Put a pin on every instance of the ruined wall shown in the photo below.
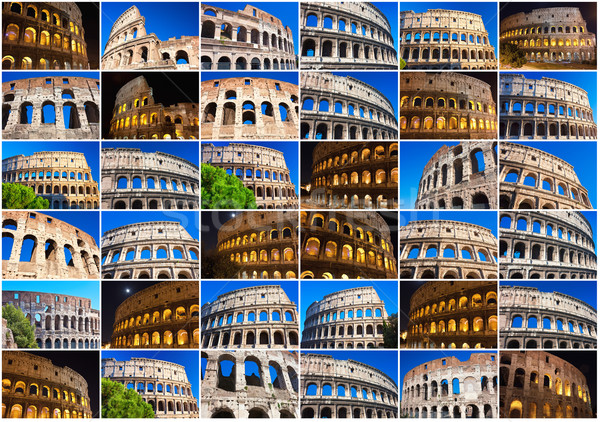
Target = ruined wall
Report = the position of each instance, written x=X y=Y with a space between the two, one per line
x=8 y=340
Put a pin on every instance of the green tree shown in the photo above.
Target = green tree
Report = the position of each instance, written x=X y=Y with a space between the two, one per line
x=390 y=332
x=215 y=265
x=121 y=402
x=224 y=191
x=402 y=63
x=23 y=331
x=511 y=55
x=19 y=197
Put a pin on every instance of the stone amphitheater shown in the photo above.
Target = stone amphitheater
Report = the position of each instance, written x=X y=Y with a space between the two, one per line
x=334 y=388
x=446 y=39
x=346 y=35
x=68 y=252
x=132 y=179
x=51 y=107
x=546 y=245
x=247 y=39
x=64 y=178
x=533 y=319
x=461 y=176
x=249 y=384
x=343 y=107
x=544 y=108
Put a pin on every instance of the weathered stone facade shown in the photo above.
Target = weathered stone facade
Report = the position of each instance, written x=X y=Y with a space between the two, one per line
x=348 y=319
x=150 y=250
x=132 y=179
x=426 y=388
x=8 y=340
x=136 y=115
x=355 y=175
x=48 y=260
x=163 y=385
x=320 y=371
x=346 y=244
x=32 y=387
x=533 y=179
x=437 y=249
x=62 y=177
x=446 y=39
x=544 y=108
x=343 y=107
x=346 y=35
x=454 y=314
x=246 y=39
x=454 y=179
x=43 y=36
x=446 y=106
x=250 y=396
x=235 y=320
x=130 y=47
x=231 y=109
x=262 y=170
x=546 y=245
x=553 y=34
x=69 y=103
x=60 y=321
x=537 y=384
x=559 y=321
x=162 y=316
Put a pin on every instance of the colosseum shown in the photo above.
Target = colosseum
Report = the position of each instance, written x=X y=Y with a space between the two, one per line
x=43 y=36
x=446 y=106
x=162 y=316
x=51 y=107
x=331 y=111
x=330 y=322
x=346 y=244
x=346 y=35
x=68 y=252
x=461 y=176
x=33 y=387
x=129 y=46
x=230 y=109
x=533 y=319
x=546 y=245
x=60 y=321
x=150 y=250
x=261 y=244
x=334 y=388
x=240 y=384
x=453 y=314
x=355 y=175
x=436 y=249
x=64 y=179
x=474 y=383
x=563 y=393
x=533 y=179
x=544 y=108
x=446 y=39
x=136 y=115
x=553 y=34
x=163 y=385
x=132 y=179
x=246 y=39
x=262 y=170
x=253 y=317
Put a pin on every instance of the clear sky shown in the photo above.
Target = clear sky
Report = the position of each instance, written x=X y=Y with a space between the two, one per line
x=84 y=288
x=581 y=289
x=14 y=76
x=286 y=11
x=487 y=219
x=384 y=82
x=212 y=289
x=186 y=150
x=291 y=77
x=114 y=219
x=165 y=19
x=487 y=9
x=314 y=290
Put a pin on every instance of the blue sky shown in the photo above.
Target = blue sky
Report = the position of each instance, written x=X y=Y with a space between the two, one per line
x=384 y=360
x=114 y=219
x=488 y=11
x=581 y=289
x=291 y=77
x=286 y=11
x=166 y=20
x=390 y=10
x=314 y=290
x=187 y=358
x=186 y=150
x=488 y=219
x=13 y=76
x=384 y=82
x=84 y=288
x=212 y=289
